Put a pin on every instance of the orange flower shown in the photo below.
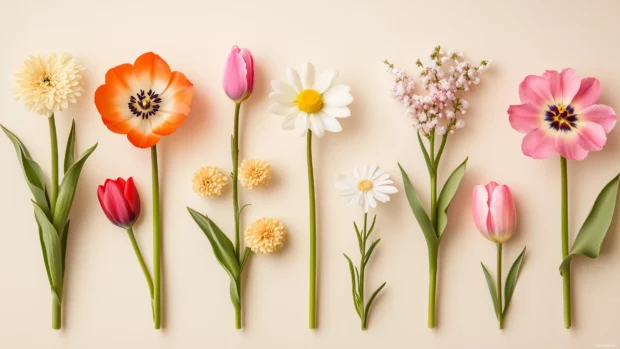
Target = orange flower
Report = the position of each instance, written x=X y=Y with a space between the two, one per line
x=145 y=100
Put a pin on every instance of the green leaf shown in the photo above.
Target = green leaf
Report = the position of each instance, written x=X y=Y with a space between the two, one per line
x=246 y=255
x=447 y=194
x=372 y=226
x=32 y=173
x=420 y=214
x=63 y=243
x=235 y=297
x=369 y=253
x=70 y=150
x=53 y=253
x=66 y=192
x=592 y=233
x=492 y=290
x=427 y=159
x=47 y=267
x=223 y=248
x=511 y=280
x=359 y=237
x=372 y=298
x=356 y=297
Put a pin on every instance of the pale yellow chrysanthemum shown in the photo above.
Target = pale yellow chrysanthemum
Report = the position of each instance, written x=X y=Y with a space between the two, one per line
x=254 y=173
x=47 y=83
x=265 y=235
x=209 y=181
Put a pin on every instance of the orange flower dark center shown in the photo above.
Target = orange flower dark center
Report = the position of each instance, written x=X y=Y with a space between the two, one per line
x=143 y=105
x=561 y=117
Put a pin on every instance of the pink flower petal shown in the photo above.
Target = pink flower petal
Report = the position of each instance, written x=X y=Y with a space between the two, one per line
x=525 y=117
x=564 y=85
x=592 y=136
x=502 y=213
x=100 y=195
x=600 y=114
x=538 y=144
x=589 y=93
x=535 y=90
x=480 y=209
x=235 y=81
x=116 y=205
x=567 y=145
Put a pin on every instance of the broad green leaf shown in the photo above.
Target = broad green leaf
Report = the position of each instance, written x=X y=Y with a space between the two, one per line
x=427 y=159
x=492 y=289
x=63 y=243
x=66 y=192
x=70 y=150
x=356 y=297
x=371 y=300
x=369 y=253
x=223 y=248
x=592 y=233
x=418 y=211
x=511 y=280
x=53 y=252
x=32 y=172
x=235 y=297
x=47 y=267
x=447 y=194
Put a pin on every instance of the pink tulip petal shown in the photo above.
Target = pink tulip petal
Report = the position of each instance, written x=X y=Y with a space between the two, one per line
x=480 y=209
x=249 y=64
x=564 y=85
x=589 y=93
x=100 y=195
x=591 y=136
x=117 y=206
x=538 y=144
x=600 y=114
x=502 y=213
x=235 y=76
x=132 y=197
x=525 y=117
x=535 y=90
x=567 y=145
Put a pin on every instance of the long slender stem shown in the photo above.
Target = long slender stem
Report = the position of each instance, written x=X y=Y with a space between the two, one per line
x=363 y=270
x=54 y=147
x=311 y=197
x=566 y=274
x=145 y=270
x=432 y=252
x=235 y=174
x=432 y=285
x=500 y=306
x=156 y=240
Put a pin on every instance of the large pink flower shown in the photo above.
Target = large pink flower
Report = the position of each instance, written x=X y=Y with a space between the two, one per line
x=559 y=115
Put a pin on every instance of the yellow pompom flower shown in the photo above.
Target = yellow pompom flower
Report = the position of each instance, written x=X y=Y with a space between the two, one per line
x=254 y=173
x=265 y=235
x=209 y=181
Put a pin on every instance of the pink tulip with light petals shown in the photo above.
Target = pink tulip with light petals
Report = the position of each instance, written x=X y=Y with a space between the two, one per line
x=120 y=201
x=559 y=114
x=493 y=208
x=239 y=74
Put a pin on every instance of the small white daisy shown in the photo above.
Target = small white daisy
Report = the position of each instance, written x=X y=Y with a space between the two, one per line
x=367 y=185
x=311 y=105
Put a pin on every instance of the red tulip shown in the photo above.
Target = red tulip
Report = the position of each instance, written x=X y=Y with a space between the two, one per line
x=120 y=201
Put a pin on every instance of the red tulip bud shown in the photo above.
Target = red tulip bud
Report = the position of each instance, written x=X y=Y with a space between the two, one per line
x=120 y=201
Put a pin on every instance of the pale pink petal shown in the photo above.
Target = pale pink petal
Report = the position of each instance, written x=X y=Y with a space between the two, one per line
x=591 y=136
x=535 y=90
x=538 y=144
x=503 y=214
x=525 y=117
x=235 y=80
x=567 y=145
x=600 y=114
x=589 y=93
x=480 y=208
x=564 y=85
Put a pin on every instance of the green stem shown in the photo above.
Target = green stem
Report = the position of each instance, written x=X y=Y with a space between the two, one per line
x=432 y=285
x=56 y=313
x=54 y=144
x=145 y=270
x=312 y=296
x=500 y=314
x=566 y=274
x=235 y=180
x=156 y=240
x=363 y=270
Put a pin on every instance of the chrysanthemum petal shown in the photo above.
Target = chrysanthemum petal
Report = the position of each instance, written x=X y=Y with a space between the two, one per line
x=337 y=112
x=326 y=80
x=330 y=123
x=591 y=136
x=525 y=117
x=564 y=85
x=337 y=96
x=535 y=90
x=589 y=93
x=538 y=144
x=307 y=76
x=600 y=114
x=152 y=72
x=567 y=145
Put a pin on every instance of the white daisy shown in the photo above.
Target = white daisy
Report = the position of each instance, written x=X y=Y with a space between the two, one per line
x=367 y=185
x=312 y=105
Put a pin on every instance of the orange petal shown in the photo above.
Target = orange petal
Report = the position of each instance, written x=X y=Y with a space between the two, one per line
x=111 y=103
x=165 y=123
x=141 y=138
x=152 y=72
x=123 y=77
x=178 y=94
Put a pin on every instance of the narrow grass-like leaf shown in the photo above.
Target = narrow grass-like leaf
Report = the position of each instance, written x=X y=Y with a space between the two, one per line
x=511 y=280
x=420 y=214
x=372 y=226
x=63 y=243
x=594 y=229
x=372 y=299
x=52 y=244
x=492 y=289
x=427 y=159
x=70 y=150
x=447 y=194
x=246 y=255
x=359 y=237
x=370 y=249
x=353 y=285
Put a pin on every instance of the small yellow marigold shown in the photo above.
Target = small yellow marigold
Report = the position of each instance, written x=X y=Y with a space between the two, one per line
x=209 y=181
x=254 y=173
x=265 y=235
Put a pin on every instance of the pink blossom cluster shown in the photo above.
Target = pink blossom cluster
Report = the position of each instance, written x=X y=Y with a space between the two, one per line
x=439 y=107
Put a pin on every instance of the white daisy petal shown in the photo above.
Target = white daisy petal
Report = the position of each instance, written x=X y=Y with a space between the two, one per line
x=365 y=202
x=283 y=87
x=378 y=183
x=371 y=171
x=293 y=79
x=282 y=98
x=307 y=76
x=386 y=189
x=326 y=80
x=337 y=112
x=379 y=175
x=330 y=123
x=357 y=173
x=345 y=183
x=371 y=200
x=289 y=121
x=302 y=123
x=316 y=125
x=337 y=96
x=380 y=196
x=282 y=110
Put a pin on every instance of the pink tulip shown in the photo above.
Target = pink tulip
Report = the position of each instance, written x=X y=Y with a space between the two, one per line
x=120 y=201
x=494 y=211
x=239 y=74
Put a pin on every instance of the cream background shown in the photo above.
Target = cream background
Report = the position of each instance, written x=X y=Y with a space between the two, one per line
x=106 y=301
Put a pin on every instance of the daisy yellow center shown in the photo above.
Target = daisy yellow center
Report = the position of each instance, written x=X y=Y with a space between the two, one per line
x=310 y=101
x=364 y=185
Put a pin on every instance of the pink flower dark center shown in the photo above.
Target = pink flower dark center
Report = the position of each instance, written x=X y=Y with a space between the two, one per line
x=561 y=117
x=143 y=104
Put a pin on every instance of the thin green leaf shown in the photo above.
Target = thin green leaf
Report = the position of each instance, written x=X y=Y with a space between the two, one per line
x=511 y=280
x=420 y=214
x=242 y=207
x=427 y=159
x=63 y=243
x=223 y=248
x=52 y=244
x=246 y=254
x=353 y=285
x=70 y=150
x=359 y=237
x=370 y=249
x=372 y=299
x=594 y=229
x=47 y=267
x=372 y=226
x=66 y=192
x=235 y=297
x=32 y=172
x=447 y=194
x=492 y=289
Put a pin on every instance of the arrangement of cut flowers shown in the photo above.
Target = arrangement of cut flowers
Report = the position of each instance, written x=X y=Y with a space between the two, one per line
x=435 y=113
x=559 y=115
x=47 y=84
x=145 y=101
